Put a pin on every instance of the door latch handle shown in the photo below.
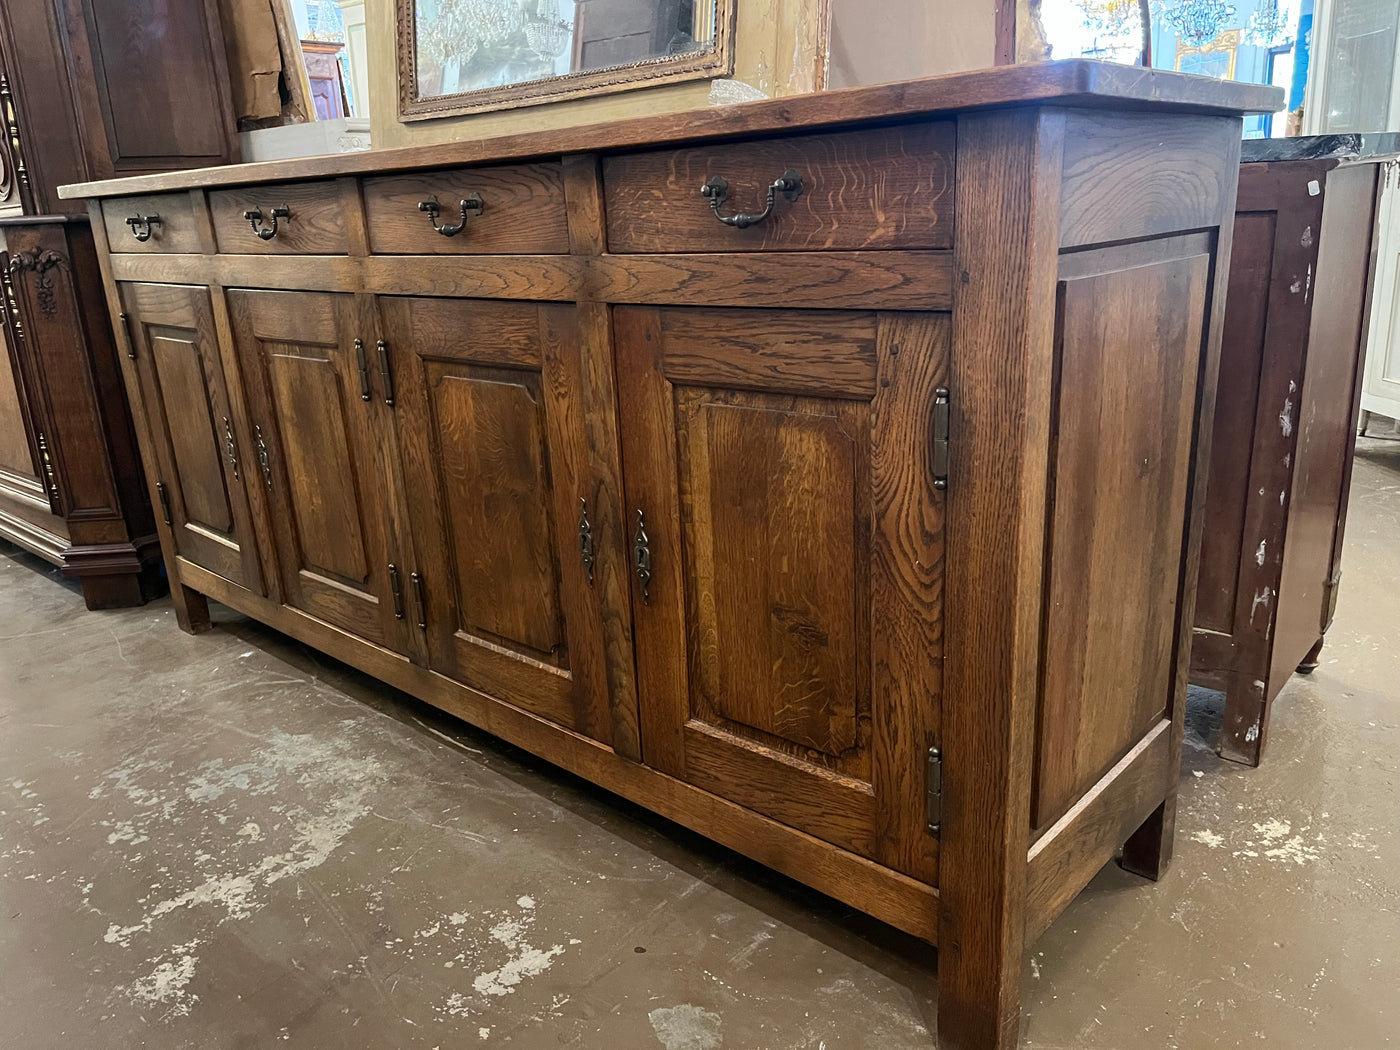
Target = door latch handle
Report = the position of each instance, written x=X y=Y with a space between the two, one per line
x=941 y=423
x=641 y=558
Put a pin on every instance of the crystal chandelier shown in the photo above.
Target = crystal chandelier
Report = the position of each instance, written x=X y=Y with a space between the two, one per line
x=548 y=35
x=462 y=27
x=1196 y=22
x=1271 y=25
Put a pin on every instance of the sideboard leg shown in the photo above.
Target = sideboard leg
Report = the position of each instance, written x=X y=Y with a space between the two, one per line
x=1148 y=851
x=1309 y=662
x=191 y=609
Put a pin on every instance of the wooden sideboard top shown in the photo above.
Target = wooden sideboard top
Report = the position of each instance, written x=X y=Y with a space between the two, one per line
x=1073 y=82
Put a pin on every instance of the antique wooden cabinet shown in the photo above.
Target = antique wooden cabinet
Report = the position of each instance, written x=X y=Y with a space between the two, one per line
x=820 y=473
x=87 y=90
x=1290 y=374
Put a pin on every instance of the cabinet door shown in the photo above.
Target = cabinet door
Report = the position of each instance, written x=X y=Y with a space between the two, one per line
x=492 y=418
x=780 y=485
x=324 y=442
x=201 y=460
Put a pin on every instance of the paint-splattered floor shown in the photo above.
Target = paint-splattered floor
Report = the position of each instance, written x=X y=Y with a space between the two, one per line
x=232 y=842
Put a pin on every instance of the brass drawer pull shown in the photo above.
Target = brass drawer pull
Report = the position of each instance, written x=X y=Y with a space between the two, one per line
x=470 y=205
x=641 y=558
x=255 y=218
x=716 y=190
x=141 y=226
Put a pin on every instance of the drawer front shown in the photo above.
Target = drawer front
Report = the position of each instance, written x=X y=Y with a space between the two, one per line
x=880 y=188
x=164 y=222
x=510 y=210
x=314 y=223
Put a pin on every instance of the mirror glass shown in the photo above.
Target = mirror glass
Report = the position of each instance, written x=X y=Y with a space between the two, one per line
x=515 y=49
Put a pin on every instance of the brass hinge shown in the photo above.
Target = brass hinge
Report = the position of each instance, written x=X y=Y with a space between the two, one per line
x=50 y=475
x=164 y=495
x=941 y=412
x=1329 y=605
x=386 y=371
x=933 y=791
x=126 y=330
x=417 y=580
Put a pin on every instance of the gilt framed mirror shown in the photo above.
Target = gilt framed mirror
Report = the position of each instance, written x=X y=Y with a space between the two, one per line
x=467 y=56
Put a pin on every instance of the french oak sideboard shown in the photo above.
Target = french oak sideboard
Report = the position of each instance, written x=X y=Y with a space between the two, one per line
x=820 y=473
x=1301 y=278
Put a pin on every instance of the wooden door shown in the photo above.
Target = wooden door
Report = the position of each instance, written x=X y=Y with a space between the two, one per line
x=323 y=435
x=779 y=466
x=492 y=421
x=202 y=458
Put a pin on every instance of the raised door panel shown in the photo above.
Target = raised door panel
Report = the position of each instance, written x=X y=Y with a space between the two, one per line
x=495 y=450
x=157 y=89
x=789 y=630
x=201 y=459
x=323 y=441
x=1129 y=345
x=17 y=463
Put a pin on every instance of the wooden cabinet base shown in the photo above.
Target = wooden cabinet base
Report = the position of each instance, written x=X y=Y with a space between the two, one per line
x=860 y=535
x=70 y=477
x=1301 y=278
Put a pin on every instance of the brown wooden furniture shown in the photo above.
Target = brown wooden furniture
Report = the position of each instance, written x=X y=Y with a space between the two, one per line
x=86 y=92
x=323 y=72
x=862 y=538
x=1290 y=373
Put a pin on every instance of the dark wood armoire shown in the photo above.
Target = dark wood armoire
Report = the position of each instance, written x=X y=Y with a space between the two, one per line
x=1289 y=392
x=88 y=89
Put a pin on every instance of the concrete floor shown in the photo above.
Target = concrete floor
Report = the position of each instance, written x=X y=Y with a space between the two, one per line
x=233 y=842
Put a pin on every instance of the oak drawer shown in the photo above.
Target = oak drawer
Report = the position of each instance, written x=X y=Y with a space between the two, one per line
x=165 y=223
x=314 y=223
x=517 y=209
x=878 y=188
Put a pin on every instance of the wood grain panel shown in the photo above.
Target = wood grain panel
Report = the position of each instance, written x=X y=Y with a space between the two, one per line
x=1241 y=363
x=193 y=435
x=755 y=635
x=184 y=398
x=1123 y=436
x=328 y=476
x=1081 y=842
x=315 y=225
x=309 y=412
x=772 y=350
x=1126 y=179
x=16 y=454
x=490 y=429
x=886 y=187
x=522 y=212
x=835 y=280
x=492 y=404
x=175 y=233
x=769 y=500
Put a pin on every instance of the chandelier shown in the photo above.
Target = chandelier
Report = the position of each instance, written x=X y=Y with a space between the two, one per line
x=1271 y=25
x=548 y=35
x=1196 y=22
x=462 y=27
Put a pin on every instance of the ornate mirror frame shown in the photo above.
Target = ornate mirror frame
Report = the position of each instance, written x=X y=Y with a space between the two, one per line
x=718 y=61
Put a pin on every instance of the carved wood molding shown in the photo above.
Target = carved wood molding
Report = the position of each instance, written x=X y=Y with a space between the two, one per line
x=32 y=260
